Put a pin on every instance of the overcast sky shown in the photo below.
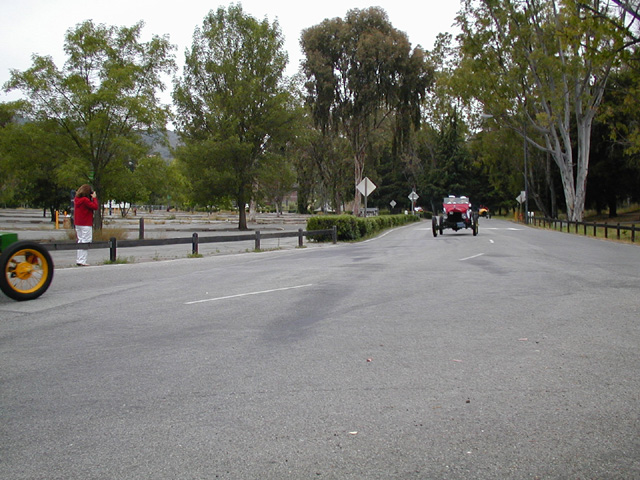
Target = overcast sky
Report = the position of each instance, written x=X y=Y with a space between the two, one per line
x=39 y=26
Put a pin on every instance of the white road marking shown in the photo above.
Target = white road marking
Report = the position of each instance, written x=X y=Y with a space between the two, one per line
x=491 y=241
x=248 y=293
x=513 y=229
x=473 y=256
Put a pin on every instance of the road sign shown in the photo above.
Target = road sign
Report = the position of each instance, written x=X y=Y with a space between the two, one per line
x=413 y=196
x=392 y=203
x=522 y=197
x=366 y=186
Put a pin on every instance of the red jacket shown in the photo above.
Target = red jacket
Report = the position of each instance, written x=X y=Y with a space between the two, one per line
x=84 y=208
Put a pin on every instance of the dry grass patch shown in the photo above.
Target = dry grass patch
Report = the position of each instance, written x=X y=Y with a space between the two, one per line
x=103 y=235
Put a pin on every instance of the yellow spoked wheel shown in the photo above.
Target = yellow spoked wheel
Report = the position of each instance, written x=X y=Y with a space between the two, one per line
x=27 y=270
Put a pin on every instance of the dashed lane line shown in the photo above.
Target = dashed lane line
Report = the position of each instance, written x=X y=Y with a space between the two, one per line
x=248 y=293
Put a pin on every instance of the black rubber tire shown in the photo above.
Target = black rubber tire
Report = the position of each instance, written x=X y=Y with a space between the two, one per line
x=27 y=270
x=434 y=226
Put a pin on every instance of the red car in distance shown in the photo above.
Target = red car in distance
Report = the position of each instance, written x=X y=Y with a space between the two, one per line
x=456 y=215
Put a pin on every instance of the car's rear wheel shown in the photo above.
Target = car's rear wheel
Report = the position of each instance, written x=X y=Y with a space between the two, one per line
x=434 y=226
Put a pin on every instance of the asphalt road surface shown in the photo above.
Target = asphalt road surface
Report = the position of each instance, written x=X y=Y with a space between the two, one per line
x=513 y=354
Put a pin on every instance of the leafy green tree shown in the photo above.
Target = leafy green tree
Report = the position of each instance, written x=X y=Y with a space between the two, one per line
x=31 y=160
x=543 y=67
x=232 y=105
x=102 y=99
x=360 y=72
x=614 y=175
x=126 y=188
x=329 y=156
x=277 y=179
x=11 y=141
x=177 y=185
x=499 y=153
x=450 y=172
x=153 y=173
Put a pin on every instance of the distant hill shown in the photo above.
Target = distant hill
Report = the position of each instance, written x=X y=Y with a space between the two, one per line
x=161 y=149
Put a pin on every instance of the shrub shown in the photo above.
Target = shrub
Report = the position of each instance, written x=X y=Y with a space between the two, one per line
x=351 y=228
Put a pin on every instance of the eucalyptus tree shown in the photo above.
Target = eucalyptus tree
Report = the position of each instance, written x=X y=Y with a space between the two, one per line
x=102 y=99
x=233 y=108
x=541 y=67
x=362 y=72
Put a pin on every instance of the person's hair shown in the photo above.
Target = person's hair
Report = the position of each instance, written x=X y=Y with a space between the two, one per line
x=84 y=191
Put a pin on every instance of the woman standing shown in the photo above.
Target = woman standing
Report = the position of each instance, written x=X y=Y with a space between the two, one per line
x=85 y=203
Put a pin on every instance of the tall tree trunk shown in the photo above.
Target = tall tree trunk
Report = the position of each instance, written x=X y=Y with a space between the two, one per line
x=97 y=216
x=584 y=147
x=337 y=202
x=551 y=186
x=242 y=213
x=253 y=210
x=612 y=202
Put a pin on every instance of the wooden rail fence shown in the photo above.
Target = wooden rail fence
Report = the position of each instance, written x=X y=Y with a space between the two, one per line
x=587 y=227
x=195 y=240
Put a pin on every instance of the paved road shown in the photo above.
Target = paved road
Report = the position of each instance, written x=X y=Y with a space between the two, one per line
x=513 y=354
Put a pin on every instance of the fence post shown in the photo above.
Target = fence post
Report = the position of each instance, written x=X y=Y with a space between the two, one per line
x=300 y=238
x=141 y=229
x=633 y=233
x=618 y=229
x=577 y=226
x=334 y=234
x=584 y=224
x=113 y=249
x=606 y=230
x=595 y=229
x=257 y=247
x=194 y=243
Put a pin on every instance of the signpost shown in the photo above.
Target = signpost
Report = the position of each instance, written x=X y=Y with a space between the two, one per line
x=413 y=196
x=365 y=187
x=522 y=198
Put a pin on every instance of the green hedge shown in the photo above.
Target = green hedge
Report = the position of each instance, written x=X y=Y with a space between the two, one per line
x=355 y=228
